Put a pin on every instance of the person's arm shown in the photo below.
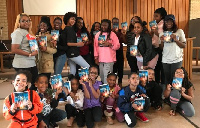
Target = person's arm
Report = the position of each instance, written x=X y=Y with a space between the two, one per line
x=167 y=91
x=190 y=94
x=96 y=48
x=115 y=45
x=9 y=111
x=96 y=93
x=86 y=92
x=37 y=106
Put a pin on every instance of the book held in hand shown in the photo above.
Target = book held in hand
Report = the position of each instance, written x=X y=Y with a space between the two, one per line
x=177 y=83
x=84 y=37
x=42 y=41
x=21 y=99
x=124 y=25
x=115 y=27
x=67 y=84
x=167 y=38
x=140 y=103
x=143 y=76
x=54 y=34
x=33 y=45
x=133 y=50
x=56 y=81
x=101 y=40
x=95 y=32
x=104 y=90
x=83 y=73
x=79 y=39
x=153 y=24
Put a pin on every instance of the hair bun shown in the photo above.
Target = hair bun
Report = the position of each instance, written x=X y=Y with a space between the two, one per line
x=144 y=23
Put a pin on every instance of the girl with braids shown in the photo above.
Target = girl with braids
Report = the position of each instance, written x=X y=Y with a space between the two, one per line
x=24 y=59
x=105 y=56
x=181 y=99
x=147 y=56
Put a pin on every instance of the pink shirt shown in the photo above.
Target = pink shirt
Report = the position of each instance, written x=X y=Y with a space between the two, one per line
x=106 y=54
x=155 y=38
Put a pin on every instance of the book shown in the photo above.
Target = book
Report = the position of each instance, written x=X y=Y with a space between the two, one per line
x=133 y=50
x=21 y=99
x=95 y=32
x=140 y=103
x=115 y=26
x=124 y=25
x=143 y=76
x=67 y=84
x=33 y=45
x=167 y=38
x=177 y=83
x=84 y=37
x=54 y=34
x=104 y=90
x=56 y=81
x=101 y=40
x=79 y=39
x=42 y=41
x=153 y=24
x=83 y=73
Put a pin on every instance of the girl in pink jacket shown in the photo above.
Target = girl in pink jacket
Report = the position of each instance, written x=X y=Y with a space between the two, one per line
x=105 y=45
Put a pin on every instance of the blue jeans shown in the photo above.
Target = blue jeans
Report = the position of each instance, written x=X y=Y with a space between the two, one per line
x=77 y=60
x=60 y=62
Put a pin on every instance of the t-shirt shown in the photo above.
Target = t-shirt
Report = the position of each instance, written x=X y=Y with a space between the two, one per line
x=172 y=53
x=21 y=61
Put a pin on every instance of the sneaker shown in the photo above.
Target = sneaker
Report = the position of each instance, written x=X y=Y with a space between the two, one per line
x=142 y=117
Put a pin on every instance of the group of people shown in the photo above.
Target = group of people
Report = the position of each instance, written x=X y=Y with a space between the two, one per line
x=85 y=102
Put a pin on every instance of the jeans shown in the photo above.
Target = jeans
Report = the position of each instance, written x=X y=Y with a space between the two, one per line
x=77 y=60
x=187 y=108
x=104 y=69
x=60 y=62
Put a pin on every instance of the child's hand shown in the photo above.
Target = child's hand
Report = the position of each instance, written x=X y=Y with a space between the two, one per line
x=58 y=90
x=112 y=95
x=143 y=95
x=43 y=48
x=182 y=90
x=135 y=106
x=42 y=124
x=34 y=53
x=168 y=87
x=102 y=98
x=162 y=38
x=173 y=36
x=54 y=42
x=66 y=90
x=80 y=44
x=107 y=44
x=29 y=103
x=97 y=61
x=90 y=82
x=13 y=107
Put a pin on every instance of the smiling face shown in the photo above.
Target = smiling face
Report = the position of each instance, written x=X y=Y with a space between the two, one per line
x=157 y=17
x=111 y=81
x=179 y=73
x=79 y=23
x=97 y=27
x=169 y=24
x=74 y=84
x=104 y=26
x=43 y=27
x=137 y=28
x=42 y=84
x=20 y=82
x=25 y=22
x=133 y=81
x=57 y=24
x=93 y=73
x=71 y=21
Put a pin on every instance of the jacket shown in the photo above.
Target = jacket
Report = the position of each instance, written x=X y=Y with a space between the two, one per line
x=106 y=54
x=23 y=115
x=144 y=46
x=45 y=62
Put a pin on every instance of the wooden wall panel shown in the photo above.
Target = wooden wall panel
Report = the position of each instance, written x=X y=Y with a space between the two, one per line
x=95 y=10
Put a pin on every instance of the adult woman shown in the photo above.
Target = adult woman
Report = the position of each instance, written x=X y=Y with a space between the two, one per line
x=24 y=59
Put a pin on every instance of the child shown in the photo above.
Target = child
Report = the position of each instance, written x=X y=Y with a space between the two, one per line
x=181 y=99
x=154 y=91
x=92 y=105
x=110 y=103
x=22 y=118
x=45 y=58
x=50 y=101
x=74 y=108
x=105 y=56
x=126 y=101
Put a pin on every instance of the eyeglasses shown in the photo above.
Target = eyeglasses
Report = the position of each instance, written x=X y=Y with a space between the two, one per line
x=95 y=73
x=25 y=21
x=181 y=73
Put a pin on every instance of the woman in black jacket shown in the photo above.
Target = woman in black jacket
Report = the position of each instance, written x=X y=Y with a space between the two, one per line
x=146 y=55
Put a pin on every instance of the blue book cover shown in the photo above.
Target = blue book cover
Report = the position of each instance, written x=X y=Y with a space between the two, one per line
x=21 y=99
x=143 y=76
x=116 y=26
x=167 y=38
x=54 y=34
x=153 y=24
x=56 y=81
x=95 y=32
x=140 y=104
x=79 y=39
x=104 y=90
x=133 y=50
x=177 y=83
x=67 y=84
x=42 y=41
x=124 y=25
x=33 y=45
x=83 y=73
x=84 y=37
x=101 y=40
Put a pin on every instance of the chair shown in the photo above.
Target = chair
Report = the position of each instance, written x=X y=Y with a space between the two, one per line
x=197 y=54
